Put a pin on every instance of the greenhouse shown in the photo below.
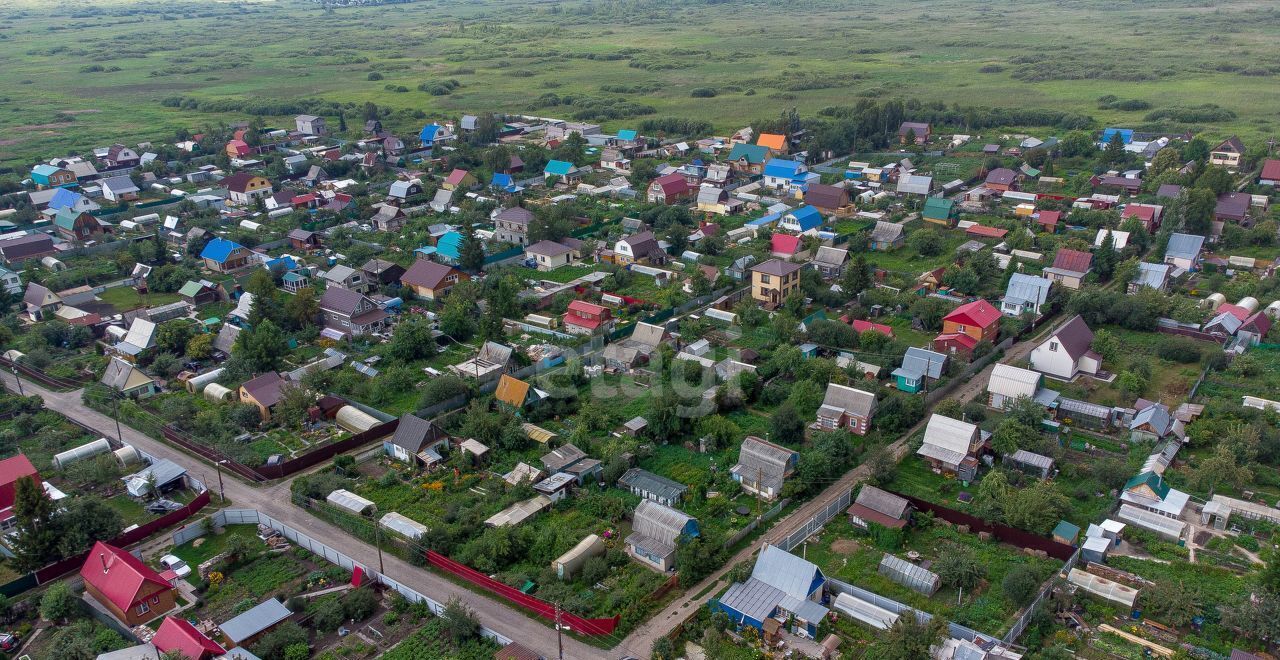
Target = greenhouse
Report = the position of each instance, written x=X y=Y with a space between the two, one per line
x=1151 y=521
x=1103 y=588
x=99 y=446
x=404 y=526
x=909 y=575
x=350 y=501
x=876 y=617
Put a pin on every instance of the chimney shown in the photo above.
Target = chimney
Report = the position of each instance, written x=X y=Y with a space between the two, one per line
x=103 y=556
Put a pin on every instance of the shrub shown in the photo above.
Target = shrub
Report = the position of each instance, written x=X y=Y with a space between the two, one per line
x=1179 y=349
x=360 y=603
x=1020 y=585
x=703 y=93
x=375 y=76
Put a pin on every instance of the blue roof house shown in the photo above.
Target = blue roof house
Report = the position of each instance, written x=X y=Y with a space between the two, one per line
x=449 y=248
x=781 y=586
x=779 y=173
x=803 y=220
x=428 y=135
x=223 y=256
x=559 y=168
x=505 y=183
x=72 y=201
x=1126 y=135
x=627 y=135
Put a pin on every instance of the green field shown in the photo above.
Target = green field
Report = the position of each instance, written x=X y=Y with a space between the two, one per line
x=80 y=75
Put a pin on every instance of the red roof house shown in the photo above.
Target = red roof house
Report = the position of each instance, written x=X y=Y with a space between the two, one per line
x=1270 y=172
x=668 y=189
x=1147 y=214
x=11 y=470
x=1237 y=311
x=978 y=319
x=587 y=318
x=1258 y=323
x=1048 y=220
x=983 y=231
x=134 y=592
x=860 y=326
x=785 y=246
x=178 y=635
x=238 y=149
x=956 y=344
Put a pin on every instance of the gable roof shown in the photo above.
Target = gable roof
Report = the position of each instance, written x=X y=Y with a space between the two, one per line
x=1270 y=170
x=648 y=482
x=177 y=634
x=119 y=185
x=63 y=198
x=562 y=457
x=754 y=154
x=784 y=244
x=511 y=391
x=515 y=214
x=671 y=184
x=849 y=400
x=1150 y=480
x=642 y=244
x=413 y=433
x=1232 y=144
x=825 y=196
x=806 y=217
x=1002 y=176
x=123 y=376
x=1184 y=246
x=782 y=168
x=787 y=573
x=1013 y=382
x=830 y=256
x=886 y=232
x=257 y=619
x=219 y=249
x=882 y=502
x=1152 y=275
x=924 y=362
x=776 y=267
x=954 y=437
x=1233 y=205
x=1075 y=337
x=772 y=141
x=559 y=168
x=119 y=576
x=238 y=182
x=1074 y=261
x=456 y=177
x=659 y=522
x=340 y=300
x=548 y=248
x=266 y=389
x=938 y=208
x=1024 y=288
x=426 y=273
x=978 y=313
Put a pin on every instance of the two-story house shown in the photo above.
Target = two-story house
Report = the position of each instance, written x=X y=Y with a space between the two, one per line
x=639 y=248
x=77 y=226
x=584 y=318
x=774 y=280
x=430 y=280
x=511 y=225
x=846 y=408
x=346 y=277
x=243 y=187
x=224 y=256
x=351 y=313
x=1228 y=153
x=967 y=326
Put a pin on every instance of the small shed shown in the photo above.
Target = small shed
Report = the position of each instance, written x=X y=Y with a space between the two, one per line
x=1031 y=463
x=351 y=502
x=909 y=575
x=571 y=562
x=252 y=624
x=1066 y=532
x=403 y=525
x=1095 y=549
x=635 y=426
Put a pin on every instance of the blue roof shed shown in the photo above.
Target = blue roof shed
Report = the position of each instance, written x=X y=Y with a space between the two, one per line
x=64 y=199
x=558 y=168
x=627 y=134
x=1126 y=134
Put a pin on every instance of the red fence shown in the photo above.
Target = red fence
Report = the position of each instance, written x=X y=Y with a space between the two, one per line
x=1002 y=533
x=1194 y=334
x=59 y=569
x=40 y=376
x=546 y=610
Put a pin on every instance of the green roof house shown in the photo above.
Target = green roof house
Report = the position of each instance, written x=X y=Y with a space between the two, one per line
x=1148 y=484
x=939 y=210
x=1065 y=532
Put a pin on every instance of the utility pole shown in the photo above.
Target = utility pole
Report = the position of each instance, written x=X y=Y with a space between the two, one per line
x=377 y=542
x=17 y=379
x=559 y=635
x=115 y=399
x=221 y=495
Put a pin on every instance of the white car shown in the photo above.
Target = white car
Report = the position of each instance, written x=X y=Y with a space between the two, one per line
x=176 y=565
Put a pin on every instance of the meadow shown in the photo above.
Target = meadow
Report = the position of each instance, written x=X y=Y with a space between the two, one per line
x=79 y=75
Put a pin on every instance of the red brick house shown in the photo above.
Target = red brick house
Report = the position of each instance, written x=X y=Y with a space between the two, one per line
x=132 y=591
x=966 y=326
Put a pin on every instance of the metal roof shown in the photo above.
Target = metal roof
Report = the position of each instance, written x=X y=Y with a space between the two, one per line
x=1033 y=459
x=403 y=525
x=1024 y=288
x=648 y=482
x=950 y=434
x=753 y=599
x=659 y=522
x=1183 y=246
x=788 y=573
x=255 y=620
x=1012 y=381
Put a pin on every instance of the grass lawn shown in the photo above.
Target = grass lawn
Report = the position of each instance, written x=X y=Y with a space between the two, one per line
x=562 y=274
x=125 y=298
x=909 y=262
x=196 y=551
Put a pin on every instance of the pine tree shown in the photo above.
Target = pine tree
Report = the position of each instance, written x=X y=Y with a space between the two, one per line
x=857 y=277
x=36 y=542
x=471 y=253
x=1114 y=152
x=342 y=122
x=1105 y=258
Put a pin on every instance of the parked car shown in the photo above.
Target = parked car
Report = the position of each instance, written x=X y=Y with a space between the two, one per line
x=176 y=565
x=8 y=642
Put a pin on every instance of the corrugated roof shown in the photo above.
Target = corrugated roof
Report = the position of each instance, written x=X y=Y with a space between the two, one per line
x=1184 y=246
x=786 y=572
x=950 y=434
x=648 y=482
x=255 y=620
x=852 y=401
x=1012 y=381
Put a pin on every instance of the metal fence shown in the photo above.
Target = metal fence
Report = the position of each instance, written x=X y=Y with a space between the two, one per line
x=751 y=527
x=831 y=510
x=255 y=517
x=954 y=629
x=1020 y=626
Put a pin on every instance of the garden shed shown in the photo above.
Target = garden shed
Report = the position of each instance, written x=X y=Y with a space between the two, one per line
x=1031 y=463
x=909 y=575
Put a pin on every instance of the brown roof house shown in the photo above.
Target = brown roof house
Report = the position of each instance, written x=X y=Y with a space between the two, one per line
x=512 y=225
x=918 y=131
x=1228 y=153
x=15 y=251
x=430 y=280
x=846 y=408
x=1067 y=352
x=1069 y=268
x=641 y=248
x=263 y=391
x=550 y=255
x=382 y=272
x=40 y=302
x=828 y=199
x=243 y=187
x=774 y=280
x=881 y=507
x=417 y=440
x=1002 y=179
x=350 y=314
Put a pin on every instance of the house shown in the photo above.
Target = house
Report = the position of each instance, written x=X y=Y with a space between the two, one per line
x=657 y=531
x=77 y=225
x=1149 y=491
x=773 y=142
x=748 y=159
x=716 y=201
x=511 y=225
x=1025 y=294
x=430 y=280
x=1232 y=207
x=1047 y=220
x=860 y=326
x=119 y=189
x=668 y=189
x=515 y=394
x=967 y=326
x=198 y=293
x=224 y=256
x=774 y=280
x=1067 y=352
x=846 y=408
x=73 y=201
x=827 y=199
x=652 y=487
x=939 y=211
x=263 y=391
x=1009 y=383
x=1129 y=184
x=1169 y=191
x=779 y=174
x=345 y=277
x=1069 y=267
x=561 y=171
x=830 y=261
x=763 y=467
x=805 y=220
x=886 y=236
x=915 y=184
x=1183 y=251
x=380 y=272
x=1154 y=276
x=301 y=239
x=416 y=440
x=177 y=637
x=1270 y=173
x=952 y=446
x=310 y=125
x=920 y=367
x=389 y=219
x=458 y=179
x=119 y=156
x=121 y=376
x=50 y=176
x=881 y=507
x=351 y=313
x=1155 y=422
x=556 y=487
x=641 y=248
x=31 y=247
x=10 y=282
x=550 y=255
x=132 y=591
x=249 y=626
x=12 y=470
x=432 y=133
x=243 y=188
x=140 y=338
x=584 y=318
x=40 y=303
x=568 y=458
x=785 y=246
x=237 y=148
x=1119 y=239
x=1002 y=179
x=1228 y=153
x=783 y=589
x=644 y=340
x=913 y=132
x=1150 y=215
x=402 y=190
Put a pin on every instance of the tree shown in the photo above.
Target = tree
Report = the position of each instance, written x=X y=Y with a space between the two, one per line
x=1113 y=153
x=412 y=340
x=908 y=639
x=59 y=603
x=1011 y=435
x=1021 y=584
x=301 y=309
x=993 y=493
x=856 y=277
x=1077 y=143
x=457 y=320
x=1036 y=508
x=927 y=242
x=1220 y=468
x=83 y=521
x=37 y=538
x=1105 y=258
x=295 y=401
x=959 y=568
x=1166 y=159
x=1173 y=602
x=263 y=287
x=1197 y=149
x=282 y=637
x=786 y=425
x=262 y=348
x=459 y=621
x=1197 y=210
x=172 y=336
x=696 y=557
x=471 y=253
x=200 y=347
x=1215 y=178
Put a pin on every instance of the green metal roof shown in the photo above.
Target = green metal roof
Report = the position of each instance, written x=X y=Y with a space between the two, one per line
x=1066 y=530
x=191 y=289
x=1152 y=481
x=938 y=208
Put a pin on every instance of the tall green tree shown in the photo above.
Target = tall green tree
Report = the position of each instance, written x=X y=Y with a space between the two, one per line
x=1113 y=153
x=262 y=347
x=36 y=543
x=471 y=253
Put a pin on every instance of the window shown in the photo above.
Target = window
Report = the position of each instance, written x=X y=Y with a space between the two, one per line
x=764 y=279
x=143 y=608
x=1053 y=346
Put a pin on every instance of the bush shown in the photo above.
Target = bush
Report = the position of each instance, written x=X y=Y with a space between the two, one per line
x=703 y=93
x=375 y=76
x=276 y=643
x=328 y=613
x=1021 y=585
x=1180 y=350
x=360 y=603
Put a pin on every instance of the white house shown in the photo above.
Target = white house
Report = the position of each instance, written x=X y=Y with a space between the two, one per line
x=1025 y=293
x=1067 y=352
x=1008 y=383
